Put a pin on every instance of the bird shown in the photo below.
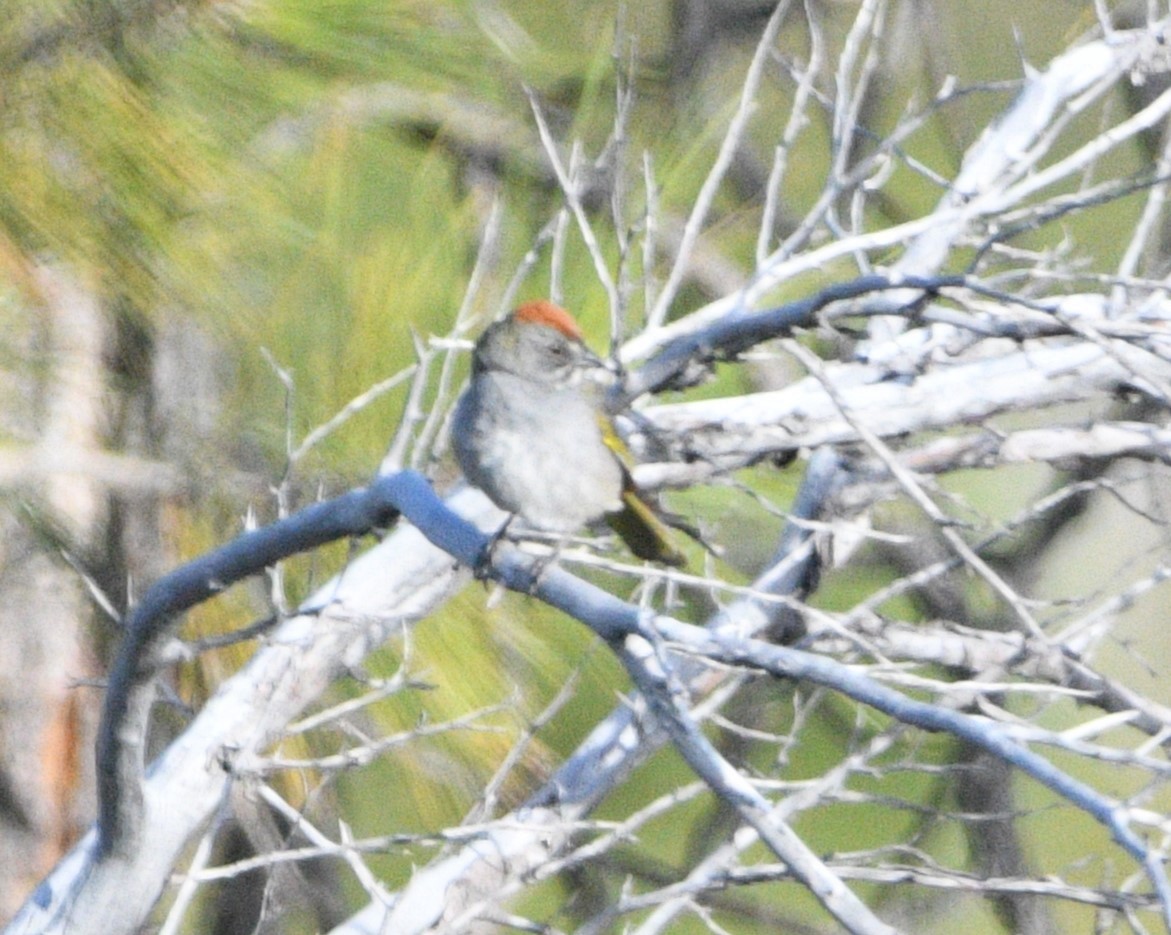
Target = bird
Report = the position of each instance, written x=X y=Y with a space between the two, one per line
x=530 y=431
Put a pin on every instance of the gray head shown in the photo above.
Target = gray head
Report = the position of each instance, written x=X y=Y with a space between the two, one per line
x=539 y=341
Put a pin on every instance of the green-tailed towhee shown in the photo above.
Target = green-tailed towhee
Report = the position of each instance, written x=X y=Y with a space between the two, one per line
x=532 y=434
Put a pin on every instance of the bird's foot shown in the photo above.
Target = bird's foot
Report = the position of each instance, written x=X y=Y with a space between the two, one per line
x=482 y=570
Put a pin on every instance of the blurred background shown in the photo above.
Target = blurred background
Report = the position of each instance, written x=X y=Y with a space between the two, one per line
x=220 y=222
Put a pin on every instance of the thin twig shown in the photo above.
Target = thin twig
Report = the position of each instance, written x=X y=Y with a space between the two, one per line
x=919 y=496
x=715 y=177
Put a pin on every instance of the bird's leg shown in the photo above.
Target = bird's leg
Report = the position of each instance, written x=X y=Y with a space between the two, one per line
x=542 y=562
x=488 y=554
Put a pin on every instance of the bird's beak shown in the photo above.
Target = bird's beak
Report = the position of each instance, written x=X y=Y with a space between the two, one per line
x=591 y=361
x=609 y=364
x=599 y=370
